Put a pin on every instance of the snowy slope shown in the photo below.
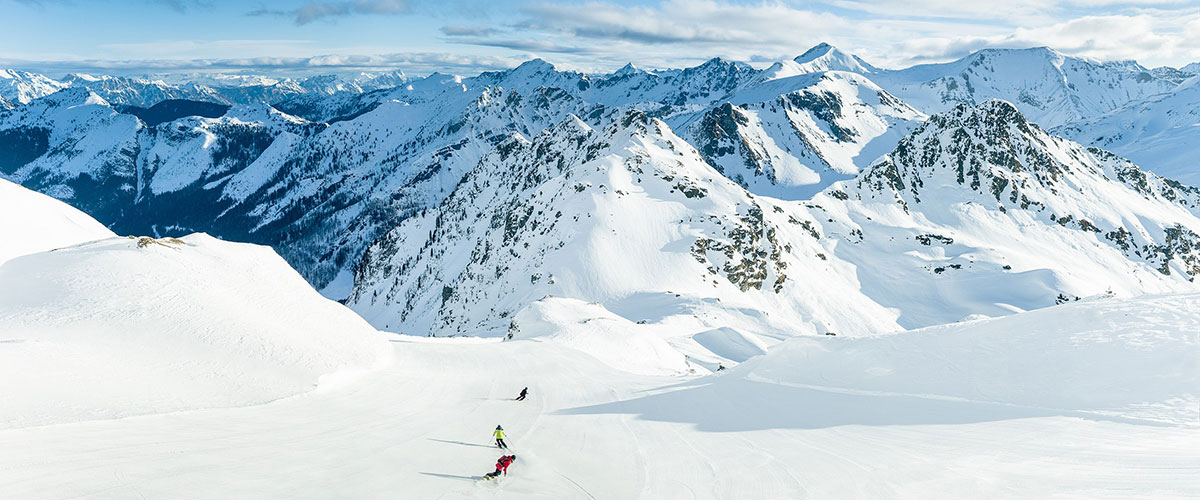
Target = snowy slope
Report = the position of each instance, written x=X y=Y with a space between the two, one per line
x=128 y=326
x=817 y=418
x=981 y=212
x=978 y=212
x=1171 y=74
x=142 y=92
x=976 y=195
x=32 y=222
x=1130 y=359
x=792 y=137
x=1159 y=133
x=628 y=216
x=321 y=191
x=20 y=87
x=820 y=58
x=74 y=146
x=1051 y=89
x=263 y=176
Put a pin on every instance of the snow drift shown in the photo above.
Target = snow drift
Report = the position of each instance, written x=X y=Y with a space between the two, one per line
x=1132 y=359
x=591 y=328
x=128 y=326
x=34 y=222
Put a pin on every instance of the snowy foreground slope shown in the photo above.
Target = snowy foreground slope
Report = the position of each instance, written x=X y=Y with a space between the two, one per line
x=1130 y=360
x=127 y=326
x=34 y=222
x=1018 y=407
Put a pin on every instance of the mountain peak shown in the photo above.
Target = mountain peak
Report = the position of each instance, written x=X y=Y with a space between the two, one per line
x=820 y=58
x=74 y=96
x=536 y=65
x=826 y=57
x=719 y=62
x=627 y=69
x=816 y=51
x=998 y=108
x=571 y=126
x=1041 y=52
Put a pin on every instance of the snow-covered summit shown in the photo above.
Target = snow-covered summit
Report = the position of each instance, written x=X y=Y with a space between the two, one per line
x=627 y=70
x=1159 y=132
x=625 y=215
x=791 y=137
x=994 y=198
x=821 y=57
x=134 y=91
x=825 y=57
x=1048 y=87
x=21 y=87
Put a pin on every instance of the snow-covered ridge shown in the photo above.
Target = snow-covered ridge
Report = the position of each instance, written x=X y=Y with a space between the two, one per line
x=1161 y=131
x=792 y=137
x=974 y=195
x=994 y=199
x=332 y=173
x=820 y=58
x=620 y=215
x=20 y=87
x=33 y=222
x=128 y=326
x=1050 y=88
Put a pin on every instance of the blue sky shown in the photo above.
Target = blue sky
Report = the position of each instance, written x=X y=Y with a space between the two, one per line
x=296 y=37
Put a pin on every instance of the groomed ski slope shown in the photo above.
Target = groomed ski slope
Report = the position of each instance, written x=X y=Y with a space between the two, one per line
x=420 y=426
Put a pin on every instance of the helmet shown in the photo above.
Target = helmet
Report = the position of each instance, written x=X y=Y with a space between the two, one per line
x=499 y=428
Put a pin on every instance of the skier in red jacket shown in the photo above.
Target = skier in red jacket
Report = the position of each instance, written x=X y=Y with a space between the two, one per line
x=502 y=466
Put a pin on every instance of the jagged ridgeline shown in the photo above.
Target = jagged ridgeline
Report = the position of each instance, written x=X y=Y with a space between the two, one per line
x=794 y=136
x=614 y=215
x=978 y=211
x=769 y=210
x=319 y=188
x=1010 y=163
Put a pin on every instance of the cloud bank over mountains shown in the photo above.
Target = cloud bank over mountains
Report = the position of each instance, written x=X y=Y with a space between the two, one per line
x=469 y=36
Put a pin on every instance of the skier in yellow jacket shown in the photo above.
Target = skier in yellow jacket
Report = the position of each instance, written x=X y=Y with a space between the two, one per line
x=500 y=435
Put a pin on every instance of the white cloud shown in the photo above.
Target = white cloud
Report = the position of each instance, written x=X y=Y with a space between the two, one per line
x=414 y=63
x=891 y=34
x=600 y=35
x=1151 y=40
x=314 y=11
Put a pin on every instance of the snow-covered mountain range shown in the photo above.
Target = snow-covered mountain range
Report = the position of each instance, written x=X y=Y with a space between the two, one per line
x=1161 y=131
x=19 y=87
x=449 y=204
x=822 y=279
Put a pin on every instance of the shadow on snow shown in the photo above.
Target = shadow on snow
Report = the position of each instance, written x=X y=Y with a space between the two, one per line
x=735 y=405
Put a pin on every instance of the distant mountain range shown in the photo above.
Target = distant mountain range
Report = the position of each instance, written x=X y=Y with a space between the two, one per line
x=821 y=194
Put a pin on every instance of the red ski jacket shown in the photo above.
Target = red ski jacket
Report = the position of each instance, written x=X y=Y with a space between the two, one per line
x=503 y=463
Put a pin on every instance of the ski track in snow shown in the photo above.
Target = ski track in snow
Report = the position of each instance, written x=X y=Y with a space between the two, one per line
x=420 y=428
